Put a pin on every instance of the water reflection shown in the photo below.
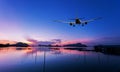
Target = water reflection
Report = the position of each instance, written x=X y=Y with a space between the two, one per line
x=32 y=59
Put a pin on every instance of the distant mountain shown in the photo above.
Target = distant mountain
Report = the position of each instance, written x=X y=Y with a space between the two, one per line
x=75 y=45
x=4 y=45
x=19 y=44
x=67 y=45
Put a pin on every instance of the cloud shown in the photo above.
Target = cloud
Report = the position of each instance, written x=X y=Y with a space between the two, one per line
x=33 y=41
x=80 y=40
x=37 y=42
x=88 y=41
x=57 y=41
x=94 y=41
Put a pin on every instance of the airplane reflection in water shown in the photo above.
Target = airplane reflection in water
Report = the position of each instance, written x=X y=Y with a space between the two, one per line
x=51 y=59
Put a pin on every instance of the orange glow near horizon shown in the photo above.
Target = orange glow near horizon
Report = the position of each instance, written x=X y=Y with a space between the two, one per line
x=12 y=42
x=7 y=41
x=30 y=43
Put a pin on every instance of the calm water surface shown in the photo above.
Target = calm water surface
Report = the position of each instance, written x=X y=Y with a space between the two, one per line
x=56 y=60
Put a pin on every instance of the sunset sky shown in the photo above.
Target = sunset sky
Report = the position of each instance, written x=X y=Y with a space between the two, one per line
x=23 y=19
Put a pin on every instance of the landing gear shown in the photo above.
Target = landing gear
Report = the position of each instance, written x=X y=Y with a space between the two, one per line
x=85 y=22
x=71 y=24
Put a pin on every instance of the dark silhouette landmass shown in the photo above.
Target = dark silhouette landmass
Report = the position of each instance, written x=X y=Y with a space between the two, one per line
x=4 y=45
x=75 y=45
x=78 y=49
x=18 y=44
x=21 y=44
x=67 y=45
x=108 y=49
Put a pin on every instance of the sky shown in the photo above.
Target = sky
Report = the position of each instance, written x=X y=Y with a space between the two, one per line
x=34 y=19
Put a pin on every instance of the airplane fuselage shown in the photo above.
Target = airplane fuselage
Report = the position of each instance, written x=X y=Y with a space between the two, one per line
x=77 y=21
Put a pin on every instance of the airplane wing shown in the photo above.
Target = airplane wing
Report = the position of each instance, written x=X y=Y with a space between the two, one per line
x=64 y=22
x=86 y=21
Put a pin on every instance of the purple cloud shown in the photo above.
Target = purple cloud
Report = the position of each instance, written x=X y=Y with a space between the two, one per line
x=37 y=42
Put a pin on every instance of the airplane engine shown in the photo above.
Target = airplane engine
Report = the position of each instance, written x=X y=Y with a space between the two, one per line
x=85 y=22
x=71 y=24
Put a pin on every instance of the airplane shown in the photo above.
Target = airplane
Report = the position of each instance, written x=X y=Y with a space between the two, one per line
x=78 y=21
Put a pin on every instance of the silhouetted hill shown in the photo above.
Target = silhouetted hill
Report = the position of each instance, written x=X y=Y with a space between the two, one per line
x=4 y=45
x=75 y=45
x=19 y=44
